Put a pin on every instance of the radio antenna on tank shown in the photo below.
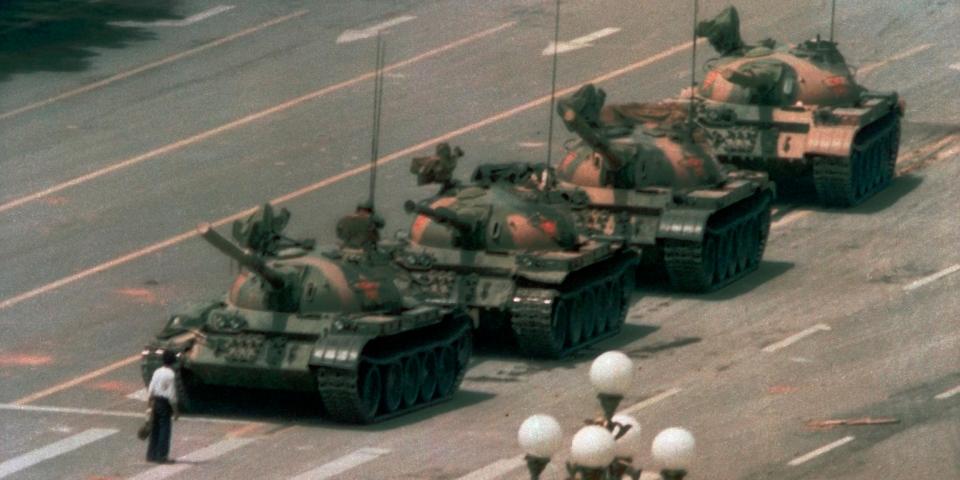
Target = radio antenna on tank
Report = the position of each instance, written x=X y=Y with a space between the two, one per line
x=833 y=15
x=693 y=64
x=377 y=103
x=553 y=88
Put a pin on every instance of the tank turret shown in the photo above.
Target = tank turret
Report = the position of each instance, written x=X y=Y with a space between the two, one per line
x=632 y=145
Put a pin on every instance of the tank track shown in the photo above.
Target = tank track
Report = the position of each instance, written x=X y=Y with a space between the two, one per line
x=847 y=181
x=736 y=236
x=340 y=390
x=549 y=323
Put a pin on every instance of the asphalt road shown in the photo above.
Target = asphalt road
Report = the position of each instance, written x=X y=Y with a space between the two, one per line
x=111 y=154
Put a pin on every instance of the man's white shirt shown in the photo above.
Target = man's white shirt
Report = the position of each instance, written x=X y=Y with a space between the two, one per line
x=162 y=384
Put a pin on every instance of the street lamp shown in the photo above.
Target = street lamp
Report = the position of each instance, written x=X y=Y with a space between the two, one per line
x=604 y=449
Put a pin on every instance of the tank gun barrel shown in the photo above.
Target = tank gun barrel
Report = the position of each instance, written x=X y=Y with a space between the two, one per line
x=441 y=215
x=252 y=262
x=576 y=122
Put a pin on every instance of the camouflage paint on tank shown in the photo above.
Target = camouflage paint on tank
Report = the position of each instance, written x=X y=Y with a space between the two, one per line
x=796 y=111
x=651 y=179
x=508 y=249
x=302 y=320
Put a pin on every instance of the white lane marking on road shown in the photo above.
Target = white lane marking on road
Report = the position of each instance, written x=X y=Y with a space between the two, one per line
x=932 y=278
x=531 y=144
x=139 y=395
x=185 y=462
x=579 y=42
x=152 y=65
x=949 y=393
x=496 y=469
x=342 y=464
x=360 y=34
x=786 y=342
x=112 y=413
x=243 y=121
x=197 y=17
x=77 y=380
x=820 y=451
x=68 y=444
x=899 y=56
x=650 y=401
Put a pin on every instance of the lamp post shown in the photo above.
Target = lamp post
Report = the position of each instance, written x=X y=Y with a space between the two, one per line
x=604 y=450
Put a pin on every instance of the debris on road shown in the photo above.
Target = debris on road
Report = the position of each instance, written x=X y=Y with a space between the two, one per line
x=828 y=424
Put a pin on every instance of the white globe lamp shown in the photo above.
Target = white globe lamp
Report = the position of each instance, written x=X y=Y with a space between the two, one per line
x=593 y=447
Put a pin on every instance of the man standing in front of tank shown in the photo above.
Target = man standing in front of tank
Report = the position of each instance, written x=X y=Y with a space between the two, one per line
x=163 y=401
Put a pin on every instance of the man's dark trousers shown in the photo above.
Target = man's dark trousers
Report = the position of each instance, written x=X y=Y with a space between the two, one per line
x=159 y=445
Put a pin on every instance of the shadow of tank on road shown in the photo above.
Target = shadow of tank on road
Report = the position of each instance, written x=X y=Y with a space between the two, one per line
x=63 y=35
x=306 y=409
x=765 y=272
x=521 y=367
x=899 y=187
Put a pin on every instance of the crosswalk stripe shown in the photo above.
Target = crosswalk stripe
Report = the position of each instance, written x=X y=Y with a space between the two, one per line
x=495 y=469
x=203 y=455
x=342 y=464
x=68 y=444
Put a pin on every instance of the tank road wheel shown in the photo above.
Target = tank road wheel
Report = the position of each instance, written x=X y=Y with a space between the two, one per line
x=752 y=239
x=412 y=379
x=620 y=290
x=724 y=254
x=733 y=258
x=590 y=314
x=464 y=348
x=446 y=370
x=392 y=387
x=560 y=325
x=605 y=307
x=370 y=390
x=428 y=384
x=744 y=245
x=890 y=151
x=575 y=324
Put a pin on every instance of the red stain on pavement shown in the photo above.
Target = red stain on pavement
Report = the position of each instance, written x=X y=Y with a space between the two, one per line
x=24 y=360
x=142 y=295
x=115 y=386
x=781 y=389
x=55 y=200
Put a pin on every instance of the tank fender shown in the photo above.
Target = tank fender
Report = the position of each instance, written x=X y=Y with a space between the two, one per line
x=832 y=141
x=338 y=350
x=683 y=224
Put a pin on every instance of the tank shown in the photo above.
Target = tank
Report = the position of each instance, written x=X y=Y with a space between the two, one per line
x=510 y=252
x=797 y=112
x=650 y=180
x=346 y=322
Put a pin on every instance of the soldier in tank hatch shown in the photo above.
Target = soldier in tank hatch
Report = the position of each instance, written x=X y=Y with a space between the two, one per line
x=360 y=229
